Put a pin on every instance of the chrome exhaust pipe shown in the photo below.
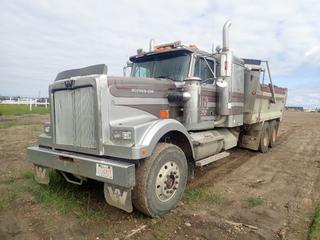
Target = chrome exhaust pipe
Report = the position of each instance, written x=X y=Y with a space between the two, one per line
x=225 y=36
x=151 y=45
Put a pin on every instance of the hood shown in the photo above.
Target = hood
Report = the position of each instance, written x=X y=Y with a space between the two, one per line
x=139 y=87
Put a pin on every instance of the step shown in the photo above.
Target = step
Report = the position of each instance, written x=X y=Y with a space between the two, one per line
x=211 y=159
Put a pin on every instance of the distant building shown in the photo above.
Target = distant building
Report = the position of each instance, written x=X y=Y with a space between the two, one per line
x=294 y=109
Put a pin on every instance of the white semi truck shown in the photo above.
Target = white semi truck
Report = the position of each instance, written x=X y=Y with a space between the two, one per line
x=144 y=135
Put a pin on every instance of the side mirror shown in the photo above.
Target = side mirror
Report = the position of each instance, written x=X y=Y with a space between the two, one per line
x=129 y=64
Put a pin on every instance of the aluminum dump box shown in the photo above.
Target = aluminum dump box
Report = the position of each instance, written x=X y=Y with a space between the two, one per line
x=262 y=101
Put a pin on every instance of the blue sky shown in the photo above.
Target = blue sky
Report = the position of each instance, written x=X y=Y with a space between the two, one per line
x=40 y=38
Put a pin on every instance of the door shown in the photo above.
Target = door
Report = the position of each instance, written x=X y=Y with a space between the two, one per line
x=205 y=69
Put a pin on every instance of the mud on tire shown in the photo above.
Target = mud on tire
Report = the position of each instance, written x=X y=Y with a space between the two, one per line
x=265 y=138
x=160 y=180
x=274 y=125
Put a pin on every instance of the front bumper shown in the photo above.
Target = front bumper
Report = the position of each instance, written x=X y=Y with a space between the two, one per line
x=99 y=168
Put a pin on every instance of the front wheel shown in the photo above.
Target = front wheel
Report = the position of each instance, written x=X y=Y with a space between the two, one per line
x=160 y=180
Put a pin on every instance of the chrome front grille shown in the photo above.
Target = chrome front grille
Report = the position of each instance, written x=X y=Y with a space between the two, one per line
x=74 y=117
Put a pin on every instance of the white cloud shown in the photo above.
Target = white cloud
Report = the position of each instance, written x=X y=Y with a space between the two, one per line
x=40 y=38
x=308 y=97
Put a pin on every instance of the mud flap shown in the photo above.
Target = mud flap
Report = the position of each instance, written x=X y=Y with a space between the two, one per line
x=119 y=197
x=41 y=174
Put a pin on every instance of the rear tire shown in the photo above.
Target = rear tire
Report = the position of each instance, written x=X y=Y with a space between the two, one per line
x=274 y=125
x=160 y=180
x=265 y=138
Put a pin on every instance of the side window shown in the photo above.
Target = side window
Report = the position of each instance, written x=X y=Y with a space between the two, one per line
x=203 y=71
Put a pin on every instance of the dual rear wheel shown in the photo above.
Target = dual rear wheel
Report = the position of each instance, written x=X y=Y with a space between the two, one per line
x=269 y=135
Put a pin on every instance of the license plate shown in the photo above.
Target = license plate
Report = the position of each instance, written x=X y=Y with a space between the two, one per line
x=104 y=171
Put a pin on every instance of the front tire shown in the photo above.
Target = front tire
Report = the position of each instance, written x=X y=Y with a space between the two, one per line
x=160 y=180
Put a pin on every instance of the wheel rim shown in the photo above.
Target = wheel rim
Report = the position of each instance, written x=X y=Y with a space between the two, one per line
x=266 y=138
x=274 y=134
x=167 y=181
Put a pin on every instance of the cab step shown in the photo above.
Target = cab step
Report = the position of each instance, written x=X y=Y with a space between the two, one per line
x=211 y=159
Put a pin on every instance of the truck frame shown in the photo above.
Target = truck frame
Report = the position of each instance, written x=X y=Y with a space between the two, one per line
x=144 y=135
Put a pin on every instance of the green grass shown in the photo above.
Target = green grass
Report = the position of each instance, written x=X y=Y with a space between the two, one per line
x=315 y=228
x=254 y=201
x=15 y=109
x=10 y=195
x=104 y=233
x=194 y=194
x=60 y=195
x=214 y=198
x=11 y=123
x=27 y=175
x=7 y=181
x=203 y=194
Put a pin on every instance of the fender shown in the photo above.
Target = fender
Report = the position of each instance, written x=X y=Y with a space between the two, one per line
x=158 y=129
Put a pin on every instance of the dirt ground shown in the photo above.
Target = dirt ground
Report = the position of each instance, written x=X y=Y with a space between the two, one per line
x=286 y=180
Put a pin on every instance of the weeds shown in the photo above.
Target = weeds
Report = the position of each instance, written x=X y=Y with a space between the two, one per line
x=202 y=193
x=104 y=233
x=27 y=175
x=59 y=194
x=10 y=195
x=214 y=198
x=7 y=181
x=315 y=227
x=254 y=201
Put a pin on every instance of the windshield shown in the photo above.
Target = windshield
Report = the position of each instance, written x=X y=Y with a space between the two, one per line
x=172 y=65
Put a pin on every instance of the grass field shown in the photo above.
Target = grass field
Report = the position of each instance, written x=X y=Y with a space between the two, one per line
x=315 y=228
x=15 y=109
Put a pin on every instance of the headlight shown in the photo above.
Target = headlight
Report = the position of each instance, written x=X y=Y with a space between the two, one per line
x=122 y=134
x=47 y=128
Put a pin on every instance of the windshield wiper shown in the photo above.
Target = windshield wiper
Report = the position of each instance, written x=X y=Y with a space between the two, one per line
x=163 y=76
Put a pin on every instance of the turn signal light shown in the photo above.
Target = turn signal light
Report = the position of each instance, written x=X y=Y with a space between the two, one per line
x=164 y=114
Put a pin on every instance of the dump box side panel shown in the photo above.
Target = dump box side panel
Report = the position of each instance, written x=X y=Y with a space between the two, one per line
x=258 y=106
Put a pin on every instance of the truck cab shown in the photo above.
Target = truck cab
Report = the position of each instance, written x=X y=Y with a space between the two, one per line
x=144 y=135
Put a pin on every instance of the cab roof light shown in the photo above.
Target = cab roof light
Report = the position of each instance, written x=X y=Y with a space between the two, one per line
x=140 y=52
x=175 y=44
x=192 y=46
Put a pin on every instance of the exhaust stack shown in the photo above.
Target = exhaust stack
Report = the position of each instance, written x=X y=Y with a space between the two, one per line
x=224 y=81
x=151 y=45
x=225 y=36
